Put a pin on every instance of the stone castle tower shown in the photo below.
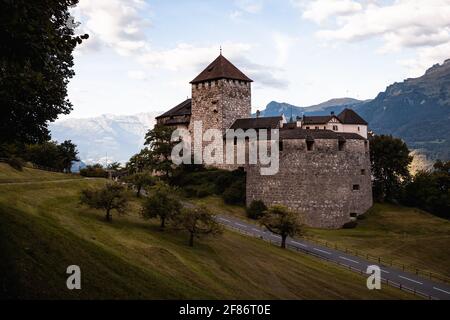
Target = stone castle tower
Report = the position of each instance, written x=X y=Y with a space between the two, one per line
x=221 y=94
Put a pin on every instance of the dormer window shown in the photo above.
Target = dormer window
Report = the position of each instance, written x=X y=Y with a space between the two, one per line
x=335 y=128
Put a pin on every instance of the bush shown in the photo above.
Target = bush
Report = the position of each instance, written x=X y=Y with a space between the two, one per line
x=15 y=163
x=350 y=225
x=235 y=194
x=95 y=171
x=256 y=209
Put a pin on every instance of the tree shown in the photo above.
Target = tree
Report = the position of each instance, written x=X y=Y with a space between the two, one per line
x=162 y=204
x=36 y=64
x=198 y=222
x=390 y=161
x=115 y=166
x=283 y=222
x=140 y=180
x=94 y=171
x=68 y=154
x=140 y=162
x=160 y=143
x=256 y=209
x=46 y=154
x=111 y=197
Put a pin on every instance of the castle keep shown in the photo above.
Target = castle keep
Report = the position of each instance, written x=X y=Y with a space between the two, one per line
x=324 y=165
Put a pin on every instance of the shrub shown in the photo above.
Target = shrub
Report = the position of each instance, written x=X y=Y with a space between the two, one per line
x=235 y=194
x=15 y=163
x=350 y=225
x=256 y=209
x=95 y=171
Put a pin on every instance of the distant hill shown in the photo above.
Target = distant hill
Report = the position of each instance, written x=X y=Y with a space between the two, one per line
x=108 y=137
x=276 y=108
x=416 y=110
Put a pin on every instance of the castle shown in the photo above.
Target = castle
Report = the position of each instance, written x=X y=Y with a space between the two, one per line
x=324 y=164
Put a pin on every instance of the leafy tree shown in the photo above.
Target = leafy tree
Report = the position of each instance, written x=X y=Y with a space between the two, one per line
x=390 y=161
x=235 y=194
x=36 y=64
x=140 y=180
x=115 y=166
x=111 y=197
x=140 y=162
x=256 y=209
x=198 y=222
x=160 y=143
x=46 y=154
x=283 y=222
x=162 y=204
x=68 y=154
x=430 y=190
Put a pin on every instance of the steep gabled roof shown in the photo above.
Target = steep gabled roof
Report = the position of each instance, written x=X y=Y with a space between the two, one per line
x=348 y=116
x=257 y=123
x=183 y=109
x=318 y=119
x=221 y=68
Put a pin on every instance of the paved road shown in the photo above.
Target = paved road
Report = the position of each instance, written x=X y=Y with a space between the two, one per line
x=407 y=280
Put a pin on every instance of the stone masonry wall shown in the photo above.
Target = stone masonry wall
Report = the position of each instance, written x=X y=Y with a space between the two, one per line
x=319 y=183
x=219 y=103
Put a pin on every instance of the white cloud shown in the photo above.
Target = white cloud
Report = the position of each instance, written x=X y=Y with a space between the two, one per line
x=250 y=6
x=320 y=10
x=118 y=24
x=137 y=75
x=423 y=26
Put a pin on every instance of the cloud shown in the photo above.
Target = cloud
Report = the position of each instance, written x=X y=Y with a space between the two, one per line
x=250 y=6
x=320 y=10
x=137 y=75
x=423 y=26
x=118 y=24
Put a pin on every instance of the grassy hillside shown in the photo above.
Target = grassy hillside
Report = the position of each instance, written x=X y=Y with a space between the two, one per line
x=405 y=235
x=29 y=175
x=44 y=229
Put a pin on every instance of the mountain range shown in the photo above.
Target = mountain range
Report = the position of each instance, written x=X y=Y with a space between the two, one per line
x=416 y=110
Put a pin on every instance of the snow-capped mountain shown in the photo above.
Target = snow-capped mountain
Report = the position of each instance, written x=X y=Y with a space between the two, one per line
x=106 y=138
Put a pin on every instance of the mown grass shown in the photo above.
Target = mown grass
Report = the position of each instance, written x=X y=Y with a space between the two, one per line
x=9 y=175
x=44 y=229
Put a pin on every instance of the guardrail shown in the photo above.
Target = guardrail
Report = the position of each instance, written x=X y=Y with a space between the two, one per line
x=383 y=261
x=388 y=282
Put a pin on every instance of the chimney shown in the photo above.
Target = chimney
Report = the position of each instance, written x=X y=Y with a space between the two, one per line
x=332 y=113
x=258 y=113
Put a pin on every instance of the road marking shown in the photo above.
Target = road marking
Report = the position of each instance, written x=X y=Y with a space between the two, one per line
x=441 y=290
x=300 y=244
x=241 y=225
x=410 y=280
x=384 y=271
x=349 y=259
x=257 y=230
x=276 y=236
x=322 y=251
x=223 y=219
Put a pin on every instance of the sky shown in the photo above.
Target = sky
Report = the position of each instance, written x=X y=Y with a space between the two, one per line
x=141 y=55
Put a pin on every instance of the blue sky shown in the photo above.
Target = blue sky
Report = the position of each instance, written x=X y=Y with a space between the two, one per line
x=141 y=55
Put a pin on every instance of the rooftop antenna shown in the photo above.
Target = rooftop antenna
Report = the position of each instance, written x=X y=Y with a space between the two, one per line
x=220 y=50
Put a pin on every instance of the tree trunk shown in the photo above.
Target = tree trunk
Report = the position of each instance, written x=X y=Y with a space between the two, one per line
x=163 y=223
x=191 y=240
x=283 y=242
x=108 y=215
x=138 y=193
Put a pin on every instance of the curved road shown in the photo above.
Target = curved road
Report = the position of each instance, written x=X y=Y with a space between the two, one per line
x=408 y=281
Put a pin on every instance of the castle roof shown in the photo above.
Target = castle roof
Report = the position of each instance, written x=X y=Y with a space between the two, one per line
x=183 y=109
x=317 y=119
x=307 y=134
x=221 y=68
x=348 y=116
x=257 y=123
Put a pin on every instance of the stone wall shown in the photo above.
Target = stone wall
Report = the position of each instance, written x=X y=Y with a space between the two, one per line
x=219 y=103
x=319 y=184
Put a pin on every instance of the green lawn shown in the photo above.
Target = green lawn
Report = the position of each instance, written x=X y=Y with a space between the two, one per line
x=403 y=235
x=44 y=229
